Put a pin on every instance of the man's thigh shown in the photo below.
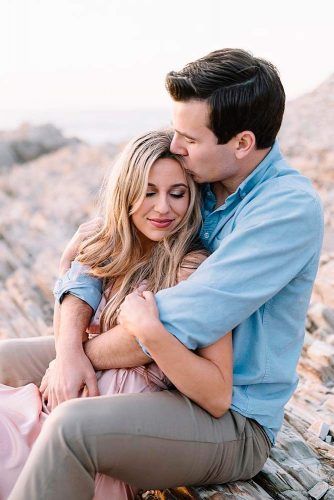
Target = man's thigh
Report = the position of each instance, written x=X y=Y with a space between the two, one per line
x=23 y=361
x=160 y=440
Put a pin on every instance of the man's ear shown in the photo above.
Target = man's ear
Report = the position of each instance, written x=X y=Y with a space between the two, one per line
x=245 y=144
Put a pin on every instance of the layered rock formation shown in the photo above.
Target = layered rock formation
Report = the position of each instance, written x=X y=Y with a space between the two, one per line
x=43 y=202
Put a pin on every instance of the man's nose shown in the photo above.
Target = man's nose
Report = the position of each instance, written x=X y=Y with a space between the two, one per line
x=177 y=148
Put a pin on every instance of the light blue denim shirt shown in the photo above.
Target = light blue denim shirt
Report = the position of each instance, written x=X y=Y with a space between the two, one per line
x=266 y=241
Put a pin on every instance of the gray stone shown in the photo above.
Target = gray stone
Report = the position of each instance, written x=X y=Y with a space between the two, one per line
x=319 y=490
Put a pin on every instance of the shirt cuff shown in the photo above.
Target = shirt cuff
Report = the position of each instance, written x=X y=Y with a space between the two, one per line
x=77 y=282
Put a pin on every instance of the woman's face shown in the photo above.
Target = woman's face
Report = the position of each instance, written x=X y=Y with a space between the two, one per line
x=166 y=201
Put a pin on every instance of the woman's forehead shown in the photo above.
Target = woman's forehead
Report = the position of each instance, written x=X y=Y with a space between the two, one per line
x=167 y=170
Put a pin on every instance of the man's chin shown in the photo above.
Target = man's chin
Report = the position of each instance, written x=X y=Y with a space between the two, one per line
x=198 y=179
x=195 y=177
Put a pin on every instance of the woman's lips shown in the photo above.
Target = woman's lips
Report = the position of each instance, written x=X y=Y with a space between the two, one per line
x=161 y=223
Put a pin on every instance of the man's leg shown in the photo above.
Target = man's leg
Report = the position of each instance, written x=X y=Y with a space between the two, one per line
x=151 y=440
x=23 y=361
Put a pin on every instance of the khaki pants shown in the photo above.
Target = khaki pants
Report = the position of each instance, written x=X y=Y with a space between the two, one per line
x=151 y=440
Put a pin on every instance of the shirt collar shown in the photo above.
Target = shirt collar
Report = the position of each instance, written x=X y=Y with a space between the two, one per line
x=259 y=172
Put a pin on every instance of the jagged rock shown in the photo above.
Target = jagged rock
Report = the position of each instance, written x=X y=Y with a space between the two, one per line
x=7 y=155
x=320 y=429
x=29 y=142
x=328 y=315
x=308 y=123
x=321 y=350
x=319 y=490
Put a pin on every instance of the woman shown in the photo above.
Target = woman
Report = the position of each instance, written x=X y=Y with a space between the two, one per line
x=148 y=237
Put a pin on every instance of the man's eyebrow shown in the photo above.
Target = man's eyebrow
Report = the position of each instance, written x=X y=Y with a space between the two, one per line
x=185 y=135
x=179 y=184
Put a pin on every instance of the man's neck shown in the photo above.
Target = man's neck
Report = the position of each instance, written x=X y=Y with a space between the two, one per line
x=227 y=187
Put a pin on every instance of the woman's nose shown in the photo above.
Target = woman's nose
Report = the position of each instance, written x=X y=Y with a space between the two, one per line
x=177 y=148
x=162 y=205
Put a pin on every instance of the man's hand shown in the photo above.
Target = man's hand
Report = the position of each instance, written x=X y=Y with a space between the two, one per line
x=139 y=314
x=67 y=377
x=71 y=251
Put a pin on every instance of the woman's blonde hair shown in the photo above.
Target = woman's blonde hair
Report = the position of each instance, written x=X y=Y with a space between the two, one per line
x=115 y=250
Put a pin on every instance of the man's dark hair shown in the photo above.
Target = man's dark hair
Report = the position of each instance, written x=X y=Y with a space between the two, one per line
x=243 y=93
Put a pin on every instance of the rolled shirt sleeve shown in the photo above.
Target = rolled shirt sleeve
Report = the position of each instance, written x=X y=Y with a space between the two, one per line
x=276 y=236
x=79 y=283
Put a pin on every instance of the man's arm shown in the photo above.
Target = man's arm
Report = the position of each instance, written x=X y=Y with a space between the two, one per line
x=205 y=378
x=276 y=236
x=115 y=349
x=71 y=370
x=79 y=294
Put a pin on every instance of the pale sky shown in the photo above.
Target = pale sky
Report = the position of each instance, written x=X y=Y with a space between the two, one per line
x=100 y=54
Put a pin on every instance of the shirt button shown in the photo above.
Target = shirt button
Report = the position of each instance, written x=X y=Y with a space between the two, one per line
x=206 y=235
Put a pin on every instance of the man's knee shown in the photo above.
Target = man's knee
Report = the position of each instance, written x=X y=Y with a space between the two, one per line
x=66 y=421
x=25 y=360
x=64 y=434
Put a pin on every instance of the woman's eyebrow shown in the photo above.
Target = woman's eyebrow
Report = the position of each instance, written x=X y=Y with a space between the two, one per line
x=172 y=186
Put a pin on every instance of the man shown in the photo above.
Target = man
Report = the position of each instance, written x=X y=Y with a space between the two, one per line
x=263 y=221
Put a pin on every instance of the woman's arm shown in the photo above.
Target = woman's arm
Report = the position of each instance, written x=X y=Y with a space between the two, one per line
x=204 y=378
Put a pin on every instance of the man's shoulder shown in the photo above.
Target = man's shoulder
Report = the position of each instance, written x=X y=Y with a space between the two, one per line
x=286 y=193
x=286 y=181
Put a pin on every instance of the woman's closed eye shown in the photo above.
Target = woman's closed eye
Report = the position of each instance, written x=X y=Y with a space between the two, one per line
x=178 y=195
x=175 y=195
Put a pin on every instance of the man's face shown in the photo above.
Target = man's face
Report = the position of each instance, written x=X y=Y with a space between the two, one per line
x=206 y=160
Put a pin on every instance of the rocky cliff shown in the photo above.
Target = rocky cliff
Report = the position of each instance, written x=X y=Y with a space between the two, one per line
x=43 y=201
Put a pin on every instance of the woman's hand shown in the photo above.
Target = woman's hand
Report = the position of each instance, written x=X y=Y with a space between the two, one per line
x=84 y=231
x=139 y=314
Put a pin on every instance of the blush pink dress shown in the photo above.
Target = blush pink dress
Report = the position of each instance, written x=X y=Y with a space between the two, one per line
x=22 y=416
x=22 y=413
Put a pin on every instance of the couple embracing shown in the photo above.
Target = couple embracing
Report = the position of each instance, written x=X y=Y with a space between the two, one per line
x=179 y=323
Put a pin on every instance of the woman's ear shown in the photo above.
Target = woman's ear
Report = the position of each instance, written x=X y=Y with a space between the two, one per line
x=246 y=143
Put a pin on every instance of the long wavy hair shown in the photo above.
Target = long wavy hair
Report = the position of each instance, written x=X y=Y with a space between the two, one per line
x=115 y=252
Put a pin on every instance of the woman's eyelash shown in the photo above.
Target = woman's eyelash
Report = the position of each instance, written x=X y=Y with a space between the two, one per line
x=175 y=195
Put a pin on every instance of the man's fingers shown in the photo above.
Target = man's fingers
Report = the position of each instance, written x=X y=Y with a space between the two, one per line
x=90 y=225
x=148 y=296
x=84 y=393
x=141 y=288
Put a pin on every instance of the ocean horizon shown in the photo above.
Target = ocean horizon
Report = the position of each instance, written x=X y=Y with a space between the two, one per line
x=93 y=126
